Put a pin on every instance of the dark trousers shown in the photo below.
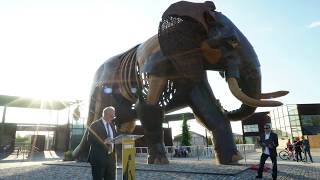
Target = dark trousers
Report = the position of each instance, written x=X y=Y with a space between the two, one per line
x=263 y=159
x=106 y=170
x=309 y=153
x=298 y=154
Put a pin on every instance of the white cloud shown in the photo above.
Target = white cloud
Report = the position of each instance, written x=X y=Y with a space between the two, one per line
x=314 y=24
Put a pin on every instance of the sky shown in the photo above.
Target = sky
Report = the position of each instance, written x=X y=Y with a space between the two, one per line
x=51 y=48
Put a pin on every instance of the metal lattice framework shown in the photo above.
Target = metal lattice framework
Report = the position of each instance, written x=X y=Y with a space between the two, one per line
x=132 y=78
x=166 y=95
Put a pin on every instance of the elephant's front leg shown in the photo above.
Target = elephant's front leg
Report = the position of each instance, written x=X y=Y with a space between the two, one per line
x=151 y=117
x=208 y=111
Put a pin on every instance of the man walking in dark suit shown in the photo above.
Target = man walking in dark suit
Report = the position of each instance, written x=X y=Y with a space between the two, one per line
x=269 y=143
x=101 y=154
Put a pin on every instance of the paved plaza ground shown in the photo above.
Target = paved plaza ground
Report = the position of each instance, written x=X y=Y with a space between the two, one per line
x=50 y=167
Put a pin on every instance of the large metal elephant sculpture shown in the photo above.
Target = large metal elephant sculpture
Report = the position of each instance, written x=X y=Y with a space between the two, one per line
x=168 y=72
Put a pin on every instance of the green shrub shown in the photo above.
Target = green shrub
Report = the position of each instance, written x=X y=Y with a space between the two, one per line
x=68 y=156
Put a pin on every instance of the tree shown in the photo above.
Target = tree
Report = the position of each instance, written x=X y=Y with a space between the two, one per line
x=209 y=141
x=22 y=139
x=186 y=137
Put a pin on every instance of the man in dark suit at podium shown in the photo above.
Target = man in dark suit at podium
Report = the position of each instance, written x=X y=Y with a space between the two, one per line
x=101 y=154
x=269 y=143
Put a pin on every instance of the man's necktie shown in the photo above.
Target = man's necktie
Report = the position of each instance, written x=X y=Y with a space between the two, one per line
x=107 y=128
x=109 y=137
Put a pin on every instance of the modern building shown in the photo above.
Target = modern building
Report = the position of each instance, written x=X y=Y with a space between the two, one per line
x=294 y=120
x=33 y=116
x=288 y=121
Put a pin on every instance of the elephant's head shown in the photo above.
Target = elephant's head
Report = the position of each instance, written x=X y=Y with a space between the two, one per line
x=193 y=31
x=240 y=65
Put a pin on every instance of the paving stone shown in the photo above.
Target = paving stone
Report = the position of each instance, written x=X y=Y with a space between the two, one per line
x=181 y=169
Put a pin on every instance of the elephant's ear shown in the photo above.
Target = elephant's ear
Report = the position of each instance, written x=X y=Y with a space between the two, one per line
x=189 y=9
x=180 y=39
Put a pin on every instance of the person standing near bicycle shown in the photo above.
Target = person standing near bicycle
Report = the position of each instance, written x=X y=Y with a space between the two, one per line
x=289 y=146
x=298 y=149
x=269 y=144
x=306 y=148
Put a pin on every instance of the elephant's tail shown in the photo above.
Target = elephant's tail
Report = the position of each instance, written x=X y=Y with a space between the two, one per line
x=81 y=151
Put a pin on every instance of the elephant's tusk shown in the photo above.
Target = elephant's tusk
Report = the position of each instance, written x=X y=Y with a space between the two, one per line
x=236 y=91
x=273 y=94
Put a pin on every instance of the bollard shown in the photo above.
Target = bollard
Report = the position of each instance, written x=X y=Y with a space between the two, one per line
x=198 y=152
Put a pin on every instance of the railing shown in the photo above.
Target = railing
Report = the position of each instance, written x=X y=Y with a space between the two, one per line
x=200 y=152
x=25 y=150
x=142 y=151
x=32 y=150
x=22 y=149
x=246 y=147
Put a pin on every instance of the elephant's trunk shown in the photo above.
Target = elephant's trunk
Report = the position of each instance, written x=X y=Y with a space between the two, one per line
x=241 y=113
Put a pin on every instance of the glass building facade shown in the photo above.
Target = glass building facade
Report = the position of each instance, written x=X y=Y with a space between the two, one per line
x=295 y=120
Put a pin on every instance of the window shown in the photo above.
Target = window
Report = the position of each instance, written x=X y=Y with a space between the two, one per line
x=286 y=121
x=295 y=134
x=278 y=123
x=288 y=129
x=310 y=120
x=281 y=122
x=294 y=117
x=294 y=123
x=292 y=109
x=273 y=122
x=251 y=128
x=285 y=111
x=280 y=112
x=283 y=131
x=276 y=115
x=271 y=115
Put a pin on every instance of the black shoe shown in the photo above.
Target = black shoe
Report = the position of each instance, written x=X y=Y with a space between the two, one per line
x=258 y=177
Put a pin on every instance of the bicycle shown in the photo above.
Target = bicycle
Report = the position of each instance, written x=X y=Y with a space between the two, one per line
x=289 y=155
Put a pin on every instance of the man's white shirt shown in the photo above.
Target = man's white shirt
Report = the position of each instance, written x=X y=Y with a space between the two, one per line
x=266 y=149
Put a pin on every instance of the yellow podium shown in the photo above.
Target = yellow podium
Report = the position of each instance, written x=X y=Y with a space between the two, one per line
x=128 y=155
